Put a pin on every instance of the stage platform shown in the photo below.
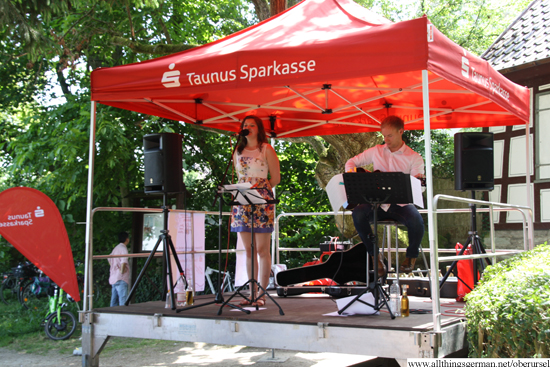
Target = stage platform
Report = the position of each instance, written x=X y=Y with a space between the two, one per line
x=305 y=326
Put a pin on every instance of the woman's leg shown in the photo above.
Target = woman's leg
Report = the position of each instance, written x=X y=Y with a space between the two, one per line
x=246 y=238
x=263 y=245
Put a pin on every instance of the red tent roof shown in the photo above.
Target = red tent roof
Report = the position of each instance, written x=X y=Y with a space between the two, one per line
x=322 y=67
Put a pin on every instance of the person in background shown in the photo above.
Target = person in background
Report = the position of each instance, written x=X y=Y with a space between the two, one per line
x=256 y=162
x=393 y=156
x=119 y=271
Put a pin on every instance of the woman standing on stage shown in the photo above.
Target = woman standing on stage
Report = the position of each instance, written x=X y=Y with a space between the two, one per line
x=256 y=162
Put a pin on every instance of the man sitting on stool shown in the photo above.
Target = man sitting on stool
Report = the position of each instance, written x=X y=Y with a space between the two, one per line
x=393 y=156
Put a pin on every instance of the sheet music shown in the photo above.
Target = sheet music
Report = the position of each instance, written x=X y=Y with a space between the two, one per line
x=239 y=186
x=336 y=192
x=244 y=189
x=416 y=188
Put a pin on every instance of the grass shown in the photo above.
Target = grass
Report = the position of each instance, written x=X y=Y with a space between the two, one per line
x=21 y=331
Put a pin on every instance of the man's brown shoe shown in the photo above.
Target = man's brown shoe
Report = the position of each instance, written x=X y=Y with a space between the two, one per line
x=381 y=265
x=408 y=265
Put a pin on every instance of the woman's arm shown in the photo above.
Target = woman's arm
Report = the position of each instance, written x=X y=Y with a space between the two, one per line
x=273 y=164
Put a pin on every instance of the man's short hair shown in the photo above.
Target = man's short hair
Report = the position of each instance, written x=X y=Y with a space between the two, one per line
x=122 y=237
x=393 y=122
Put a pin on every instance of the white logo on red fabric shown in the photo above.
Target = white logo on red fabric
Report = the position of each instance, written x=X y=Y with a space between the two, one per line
x=481 y=79
x=465 y=67
x=39 y=213
x=171 y=79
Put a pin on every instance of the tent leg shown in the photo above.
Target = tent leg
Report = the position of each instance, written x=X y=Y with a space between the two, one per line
x=429 y=194
x=89 y=203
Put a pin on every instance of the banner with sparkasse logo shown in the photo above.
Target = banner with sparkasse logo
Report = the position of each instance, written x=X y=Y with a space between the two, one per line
x=30 y=221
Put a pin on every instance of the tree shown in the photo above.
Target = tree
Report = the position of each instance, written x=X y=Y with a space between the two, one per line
x=45 y=146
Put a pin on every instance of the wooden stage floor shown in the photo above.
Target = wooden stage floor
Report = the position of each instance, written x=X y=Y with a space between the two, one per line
x=306 y=309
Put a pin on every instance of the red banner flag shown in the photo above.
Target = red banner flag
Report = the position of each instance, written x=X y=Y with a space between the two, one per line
x=30 y=221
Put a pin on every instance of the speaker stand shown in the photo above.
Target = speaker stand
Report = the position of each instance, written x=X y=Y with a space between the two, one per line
x=168 y=249
x=477 y=248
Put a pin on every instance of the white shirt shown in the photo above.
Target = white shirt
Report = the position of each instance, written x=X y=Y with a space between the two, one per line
x=403 y=160
x=116 y=265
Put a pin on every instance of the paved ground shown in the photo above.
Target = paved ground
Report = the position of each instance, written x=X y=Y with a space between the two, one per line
x=186 y=354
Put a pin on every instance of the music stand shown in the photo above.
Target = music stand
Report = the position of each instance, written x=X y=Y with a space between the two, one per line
x=168 y=247
x=245 y=195
x=376 y=188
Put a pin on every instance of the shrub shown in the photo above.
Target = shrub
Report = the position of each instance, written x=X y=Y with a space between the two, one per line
x=508 y=313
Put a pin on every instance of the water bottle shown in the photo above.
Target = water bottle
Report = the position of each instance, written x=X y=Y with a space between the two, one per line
x=395 y=302
x=168 y=303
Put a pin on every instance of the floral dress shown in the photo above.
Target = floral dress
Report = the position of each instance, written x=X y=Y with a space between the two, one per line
x=251 y=166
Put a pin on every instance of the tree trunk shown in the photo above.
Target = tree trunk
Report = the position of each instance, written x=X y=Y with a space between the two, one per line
x=277 y=6
x=332 y=161
x=262 y=9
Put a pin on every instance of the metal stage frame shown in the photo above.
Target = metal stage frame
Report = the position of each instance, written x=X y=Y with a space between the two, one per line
x=304 y=327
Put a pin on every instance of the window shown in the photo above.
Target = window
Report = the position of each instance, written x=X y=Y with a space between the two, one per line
x=542 y=120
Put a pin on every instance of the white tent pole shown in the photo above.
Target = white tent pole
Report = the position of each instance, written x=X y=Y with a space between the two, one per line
x=529 y=161
x=89 y=203
x=273 y=240
x=429 y=188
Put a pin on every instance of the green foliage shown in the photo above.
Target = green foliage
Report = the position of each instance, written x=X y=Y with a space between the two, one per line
x=45 y=44
x=17 y=322
x=442 y=148
x=473 y=25
x=508 y=312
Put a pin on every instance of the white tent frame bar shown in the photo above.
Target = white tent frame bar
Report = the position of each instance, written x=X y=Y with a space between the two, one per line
x=350 y=106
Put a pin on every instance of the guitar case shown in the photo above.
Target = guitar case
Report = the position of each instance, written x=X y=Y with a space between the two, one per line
x=341 y=266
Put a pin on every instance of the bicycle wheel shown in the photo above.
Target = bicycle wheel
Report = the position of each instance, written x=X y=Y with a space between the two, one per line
x=8 y=291
x=60 y=328
x=31 y=301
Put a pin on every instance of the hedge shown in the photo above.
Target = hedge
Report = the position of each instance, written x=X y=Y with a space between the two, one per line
x=508 y=313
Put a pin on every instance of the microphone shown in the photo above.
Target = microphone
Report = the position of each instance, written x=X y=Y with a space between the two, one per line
x=243 y=132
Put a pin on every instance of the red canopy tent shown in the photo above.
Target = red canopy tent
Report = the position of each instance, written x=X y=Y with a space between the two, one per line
x=322 y=67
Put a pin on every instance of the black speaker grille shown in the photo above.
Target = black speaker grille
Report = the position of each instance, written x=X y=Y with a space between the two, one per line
x=163 y=163
x=474 y=162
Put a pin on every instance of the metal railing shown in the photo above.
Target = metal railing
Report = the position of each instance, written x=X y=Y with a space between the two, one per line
x=88 y=272
x=527 y=215
x=527 y=219
x=276 y=249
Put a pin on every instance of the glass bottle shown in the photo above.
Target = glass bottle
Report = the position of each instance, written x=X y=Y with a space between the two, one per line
x=405 y=302
x=189 y=296
x=394 y=299
x=179 y=289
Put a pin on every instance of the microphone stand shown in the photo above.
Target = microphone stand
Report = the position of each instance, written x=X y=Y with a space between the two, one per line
x=242 y=134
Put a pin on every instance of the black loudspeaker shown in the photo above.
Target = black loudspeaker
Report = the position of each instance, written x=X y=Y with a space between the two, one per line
x=163 y=163
x=474 y=163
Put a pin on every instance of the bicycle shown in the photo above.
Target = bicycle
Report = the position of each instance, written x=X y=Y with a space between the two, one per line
x=34 y=293
x=79 y=268
x=15 y=280
x=8 y=291
x=59 y=324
